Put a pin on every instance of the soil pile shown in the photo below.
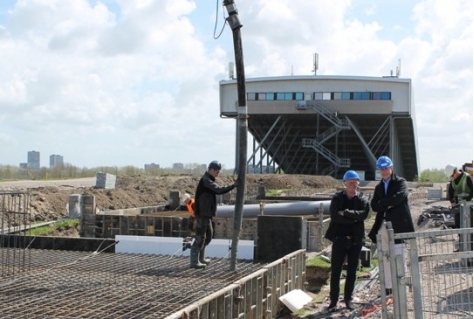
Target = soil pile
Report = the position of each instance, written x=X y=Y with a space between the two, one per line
x=50 y=202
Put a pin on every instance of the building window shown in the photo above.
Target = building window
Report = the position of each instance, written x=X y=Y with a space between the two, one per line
x=381 y=95
x=346 y=95
x=270 y=96
x=301 y=96
x=318 y=96
x=361 y=95
x=285 y=96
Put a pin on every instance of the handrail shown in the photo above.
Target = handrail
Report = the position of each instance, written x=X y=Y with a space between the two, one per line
x=340 y=162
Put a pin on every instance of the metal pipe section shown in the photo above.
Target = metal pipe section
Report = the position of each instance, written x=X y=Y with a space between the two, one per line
x=235 y=25
x=276 y=209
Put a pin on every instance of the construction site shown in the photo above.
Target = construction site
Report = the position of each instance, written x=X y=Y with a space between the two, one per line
x=117 y=271
x=131 y=261
x=129 y=257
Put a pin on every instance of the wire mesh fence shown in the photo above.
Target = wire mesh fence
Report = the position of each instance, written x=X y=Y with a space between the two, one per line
x=435 y=278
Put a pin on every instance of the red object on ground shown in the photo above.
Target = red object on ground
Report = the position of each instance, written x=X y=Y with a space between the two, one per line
x=366 y=311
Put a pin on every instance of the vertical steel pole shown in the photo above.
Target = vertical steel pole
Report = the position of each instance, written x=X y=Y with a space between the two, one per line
x=235 y=25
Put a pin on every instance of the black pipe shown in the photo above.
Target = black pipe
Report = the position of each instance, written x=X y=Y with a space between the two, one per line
x=235 y=25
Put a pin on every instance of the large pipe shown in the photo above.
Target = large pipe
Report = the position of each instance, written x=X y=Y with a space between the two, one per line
x=242 y=126
x=292 y=208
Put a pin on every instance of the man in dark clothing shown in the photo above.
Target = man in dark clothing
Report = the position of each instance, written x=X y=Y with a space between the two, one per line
x=390 y=202
x=205 y=207
x=346 y=231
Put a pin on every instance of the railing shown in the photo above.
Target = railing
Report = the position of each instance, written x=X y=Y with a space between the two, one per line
x=340 y=162
x=327 y=114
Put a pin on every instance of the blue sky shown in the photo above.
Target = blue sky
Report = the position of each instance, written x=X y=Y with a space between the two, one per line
x=122 y=82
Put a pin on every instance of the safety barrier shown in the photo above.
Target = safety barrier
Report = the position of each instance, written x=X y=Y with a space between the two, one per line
x=438 y=272
x=254 y=296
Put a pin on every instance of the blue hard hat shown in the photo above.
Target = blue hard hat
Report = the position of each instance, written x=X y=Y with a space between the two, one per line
x=215 y=165
x=350 y=175
x=384 y=162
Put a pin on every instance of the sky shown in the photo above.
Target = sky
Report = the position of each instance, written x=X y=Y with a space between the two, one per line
x=119 y=82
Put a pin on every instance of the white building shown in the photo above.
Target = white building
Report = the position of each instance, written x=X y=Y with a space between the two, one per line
x=324 y=125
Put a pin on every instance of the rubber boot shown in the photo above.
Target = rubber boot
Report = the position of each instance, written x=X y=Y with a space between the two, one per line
x=203 y=260
x=194 y=258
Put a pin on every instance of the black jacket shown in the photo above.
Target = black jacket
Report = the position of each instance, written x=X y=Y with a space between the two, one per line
x=205 y=199
x=356 y=210
x=398 y=213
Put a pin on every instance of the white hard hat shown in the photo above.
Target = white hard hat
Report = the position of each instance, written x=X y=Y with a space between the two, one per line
x=185 y=197
x=450 y=169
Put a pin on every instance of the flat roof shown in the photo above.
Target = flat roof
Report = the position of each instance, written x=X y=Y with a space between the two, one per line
x=320 y=77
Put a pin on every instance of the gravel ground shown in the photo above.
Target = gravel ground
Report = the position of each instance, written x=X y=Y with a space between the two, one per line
x=369 y=295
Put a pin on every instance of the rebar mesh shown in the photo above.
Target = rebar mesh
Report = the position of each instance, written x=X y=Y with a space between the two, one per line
x=61 y=284
x=14 y=218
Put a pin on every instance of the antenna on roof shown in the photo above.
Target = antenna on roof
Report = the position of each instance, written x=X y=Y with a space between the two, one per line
x=315 y=63
x=231 y=70
x=398 y=70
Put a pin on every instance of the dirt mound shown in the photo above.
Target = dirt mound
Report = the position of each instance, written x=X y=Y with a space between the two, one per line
x=49 y=202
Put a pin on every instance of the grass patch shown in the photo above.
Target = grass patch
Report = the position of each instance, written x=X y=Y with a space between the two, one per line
x=325 y=266
x=52 y=229
x=318 y=262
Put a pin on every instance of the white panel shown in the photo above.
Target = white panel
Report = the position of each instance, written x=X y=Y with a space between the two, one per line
x=295 y=299
x=172 y=246
x=125 y=243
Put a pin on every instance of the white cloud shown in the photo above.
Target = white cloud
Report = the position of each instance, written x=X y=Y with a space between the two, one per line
x=139 y=84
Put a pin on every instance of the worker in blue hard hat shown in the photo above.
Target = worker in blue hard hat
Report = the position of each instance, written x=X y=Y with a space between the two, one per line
x=205 y=207
x=390 y=203
x=346 y=231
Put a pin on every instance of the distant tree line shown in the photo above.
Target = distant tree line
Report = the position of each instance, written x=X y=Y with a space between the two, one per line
x=9 y=172
x=433 y=175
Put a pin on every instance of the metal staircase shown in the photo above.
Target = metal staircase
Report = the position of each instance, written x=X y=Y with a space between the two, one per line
x=317 y=143
x=318 y=147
